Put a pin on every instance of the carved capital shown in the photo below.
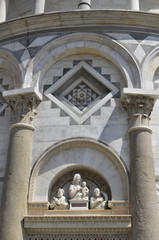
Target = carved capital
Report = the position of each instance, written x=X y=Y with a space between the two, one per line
x=139 y=109
x=23 y=108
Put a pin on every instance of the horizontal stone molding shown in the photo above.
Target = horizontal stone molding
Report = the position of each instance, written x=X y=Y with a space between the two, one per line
x=107 y=19
x=23 y=92
x=139 y=128
x=78 y=224
x=114 y=207
x=22 y=125
x=45 y=205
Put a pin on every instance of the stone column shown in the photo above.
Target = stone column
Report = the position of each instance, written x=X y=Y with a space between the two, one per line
x=15 y=190
x=145 y=219
x=3 y=10
x=134 y=5
x=84 y=4
x=39 y=6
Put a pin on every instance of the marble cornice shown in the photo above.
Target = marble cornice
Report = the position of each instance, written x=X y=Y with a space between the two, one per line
x=106 y=20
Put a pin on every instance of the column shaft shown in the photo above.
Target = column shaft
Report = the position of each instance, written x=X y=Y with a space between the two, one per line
x=135 y=5
x=143 y=189
x=15 y=188
x=39 y=6
x=14 y=197
x=84 y=4
x=143 y=197
x=3 y=10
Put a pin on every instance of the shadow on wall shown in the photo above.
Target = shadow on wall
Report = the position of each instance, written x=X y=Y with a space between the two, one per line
x=115 y=133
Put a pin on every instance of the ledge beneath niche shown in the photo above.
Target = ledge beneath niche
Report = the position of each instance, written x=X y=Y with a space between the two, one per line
x=76 y=224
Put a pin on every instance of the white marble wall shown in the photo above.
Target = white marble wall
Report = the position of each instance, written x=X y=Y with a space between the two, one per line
x=52 y=127
x=6 y=82
x=22 y=8
x=90 y=158
x=108 y=124
x=95 y=4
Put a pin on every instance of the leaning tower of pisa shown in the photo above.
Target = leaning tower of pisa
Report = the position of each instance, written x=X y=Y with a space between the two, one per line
x=79 y=120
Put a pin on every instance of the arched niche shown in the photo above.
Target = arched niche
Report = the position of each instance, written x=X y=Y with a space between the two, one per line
x=10 y=64
x=78 y=154
x=149 y=69
x=156 y=79
x=83 y=43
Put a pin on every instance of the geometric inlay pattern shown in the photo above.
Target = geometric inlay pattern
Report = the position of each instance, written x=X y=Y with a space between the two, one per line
x=138 y=44
x=26 y=48
x=81 y=96
x=81 y=91
x=78 y=237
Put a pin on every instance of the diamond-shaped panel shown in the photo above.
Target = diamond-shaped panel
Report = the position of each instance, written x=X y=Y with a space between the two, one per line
x=81 y=92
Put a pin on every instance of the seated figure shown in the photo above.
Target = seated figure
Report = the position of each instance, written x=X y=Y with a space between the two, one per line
x=97 y=201
x=75 y=188
x=59 y=202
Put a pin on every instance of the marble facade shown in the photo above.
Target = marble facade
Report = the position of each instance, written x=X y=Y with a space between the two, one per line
x=79 y=95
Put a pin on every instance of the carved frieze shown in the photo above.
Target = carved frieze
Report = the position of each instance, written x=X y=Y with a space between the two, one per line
x=139 y=109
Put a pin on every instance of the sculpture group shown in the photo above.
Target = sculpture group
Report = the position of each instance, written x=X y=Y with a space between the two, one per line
x=79 y=194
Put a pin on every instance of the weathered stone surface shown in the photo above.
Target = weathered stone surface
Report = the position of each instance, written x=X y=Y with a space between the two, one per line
x=143 y=188
x=80 y=124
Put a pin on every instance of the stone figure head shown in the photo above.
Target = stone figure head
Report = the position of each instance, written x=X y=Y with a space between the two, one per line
x=60 y=193
x=96 y=192
x=77 y=179
x=84 y=184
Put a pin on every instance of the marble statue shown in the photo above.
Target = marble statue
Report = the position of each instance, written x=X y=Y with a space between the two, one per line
x=59 y=202
x=85 y=191
x=97 y=201
x=78 y=193
x=75 y=189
